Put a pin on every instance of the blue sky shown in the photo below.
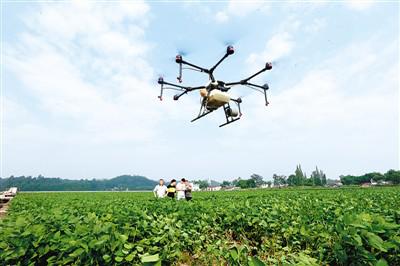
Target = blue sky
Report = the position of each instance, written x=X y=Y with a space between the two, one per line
x=80 y=93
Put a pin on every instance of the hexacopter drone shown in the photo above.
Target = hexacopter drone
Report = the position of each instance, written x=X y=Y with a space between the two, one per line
x=215 y=93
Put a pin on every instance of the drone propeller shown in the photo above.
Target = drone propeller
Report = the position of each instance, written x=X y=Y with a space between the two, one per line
x=285 y=62
x=182 y=52
x=231 y=37
x=229 y=42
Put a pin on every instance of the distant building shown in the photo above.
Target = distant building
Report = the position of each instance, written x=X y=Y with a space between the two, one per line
x=213 y=188
x=333 y=183
x=338 y=184
x=229 y=188
x=195 y=187
x=373 y=183
x=383 y=183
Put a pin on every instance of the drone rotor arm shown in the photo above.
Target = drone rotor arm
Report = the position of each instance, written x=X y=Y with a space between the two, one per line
x=219 y=62
x=176 y=87
x=262 y=89
x=202 y=69
x=171 y=88
x=186 y=90
x=229 y=51
x=268 y=66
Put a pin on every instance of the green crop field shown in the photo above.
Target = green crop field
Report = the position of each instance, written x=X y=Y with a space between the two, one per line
x=351 y=226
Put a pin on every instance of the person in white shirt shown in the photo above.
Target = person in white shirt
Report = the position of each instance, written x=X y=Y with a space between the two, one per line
x=181 y=188
x=160 y=191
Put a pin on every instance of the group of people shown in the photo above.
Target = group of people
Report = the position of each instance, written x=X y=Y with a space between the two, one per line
x=182 y=190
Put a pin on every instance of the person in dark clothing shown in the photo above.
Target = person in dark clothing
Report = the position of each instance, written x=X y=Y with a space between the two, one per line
x=171 y=189
x=188 y=191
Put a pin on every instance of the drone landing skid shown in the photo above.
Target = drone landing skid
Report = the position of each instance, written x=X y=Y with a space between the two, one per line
x=228 y=116
x=230 y=121
x=227 y=110
x=201 y=115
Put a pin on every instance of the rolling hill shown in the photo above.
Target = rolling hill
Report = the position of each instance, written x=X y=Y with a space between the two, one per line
x=40 y=183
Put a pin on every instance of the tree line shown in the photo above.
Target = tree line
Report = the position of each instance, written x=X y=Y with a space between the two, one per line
x=41 y=183
x=298 y=178
x=391 y=176
x=317 y=178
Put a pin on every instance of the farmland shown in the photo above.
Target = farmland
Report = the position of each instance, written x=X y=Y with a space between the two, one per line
x=254 y=227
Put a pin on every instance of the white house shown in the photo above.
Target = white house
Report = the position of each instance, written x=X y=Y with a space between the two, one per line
x=213 y=188
x=195 y=187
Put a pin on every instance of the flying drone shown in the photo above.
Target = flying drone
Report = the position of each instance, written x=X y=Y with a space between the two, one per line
x=214 y=94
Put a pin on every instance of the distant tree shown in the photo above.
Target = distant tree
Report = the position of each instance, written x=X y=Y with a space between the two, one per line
x=318 y=177
x=279 y=180
x=251 y=183
x=258 y=180
x=323 y=180
x=393 y=176
x=235 y=182
x=226 y=184
x=269 y=183
x=246 y=183
x=275 y=177
x=41 y=183
x=202 y=183
x=300 y=176
x=374 y=176
x=242 y=183
x=291 y=180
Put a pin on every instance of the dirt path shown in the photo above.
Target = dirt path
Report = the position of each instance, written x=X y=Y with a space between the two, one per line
x=3 y=209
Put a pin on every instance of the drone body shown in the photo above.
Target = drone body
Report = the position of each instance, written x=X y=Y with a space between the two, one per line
x=214 y=94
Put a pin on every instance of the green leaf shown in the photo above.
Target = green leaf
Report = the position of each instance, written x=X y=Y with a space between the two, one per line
x=150 y=258
x=106 y=257
x=77 y=252
x=123 y=238
x=128 y=246
x=381 y=262
x=118 y=259
x=358 y=240
x=375 y=241
x=234 y=254
x=254 y=261
x=129 y=257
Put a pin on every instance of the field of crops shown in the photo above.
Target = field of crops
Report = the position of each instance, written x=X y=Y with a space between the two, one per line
x=255 y=227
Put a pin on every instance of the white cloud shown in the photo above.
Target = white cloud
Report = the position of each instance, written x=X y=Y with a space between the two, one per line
x=87 y=62
x=240 y=8
x=278 y=46
x=342 y=112
x=359 y=4
x=86 y=85
x=221 y=17
x=315 y=26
